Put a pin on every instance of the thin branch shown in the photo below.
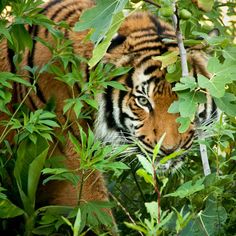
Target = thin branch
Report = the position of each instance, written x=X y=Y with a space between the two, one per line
x=153 y=3
x=184 y=65
x=124 y=209
x=157 y=192
x=179 y=37
x=203 y=151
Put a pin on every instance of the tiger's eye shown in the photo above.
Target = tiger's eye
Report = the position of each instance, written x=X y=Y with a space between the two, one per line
x=143 y=101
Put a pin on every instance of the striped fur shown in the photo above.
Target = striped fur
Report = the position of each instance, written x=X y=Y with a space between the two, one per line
x=139 y=113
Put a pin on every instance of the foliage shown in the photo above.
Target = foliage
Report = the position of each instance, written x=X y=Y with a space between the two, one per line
x=152 y=203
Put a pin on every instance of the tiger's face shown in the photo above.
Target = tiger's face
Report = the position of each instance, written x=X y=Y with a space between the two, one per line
x=141 y=112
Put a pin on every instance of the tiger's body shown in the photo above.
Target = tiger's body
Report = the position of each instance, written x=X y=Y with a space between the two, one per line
x=141 y=112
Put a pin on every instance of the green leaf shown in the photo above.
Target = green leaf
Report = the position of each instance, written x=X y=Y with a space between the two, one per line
x=28 y=165
x=157 y=147
x=216 y=85
x=34 y=174
x=9 y=210
x=147 y=177
x=101 y=49
x=185 y=83
x=167 y=58
x=205 y=5
x=4 y=76
x=93 y=214
x=230 y=53
x=147 y=165
x=77 y=107
x=116 y=85
x=77 y=224
x=5 y=31
x=174 y=72
x=171 y=156
x=92 y=103
x=99 y=18
x=227 y=104
x=187 y=189
x=21 y=38
x=60 y=174
x=210 y=221
x=184 y=124
x=136 y=227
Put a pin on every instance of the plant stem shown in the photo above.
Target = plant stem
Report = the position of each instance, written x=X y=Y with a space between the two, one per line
x=137 y=184
x=179 y=37
x=184 y=66
x=158 y=193
x=81 y=187
x=29 y=224
x=124 y=209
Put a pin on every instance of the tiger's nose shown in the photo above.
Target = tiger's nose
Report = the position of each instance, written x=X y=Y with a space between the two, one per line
x=168 y=150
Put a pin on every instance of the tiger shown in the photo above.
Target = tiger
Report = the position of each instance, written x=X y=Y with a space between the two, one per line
x=138 y=113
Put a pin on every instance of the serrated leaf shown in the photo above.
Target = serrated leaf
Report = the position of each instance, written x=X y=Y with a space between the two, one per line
x=184 y=124
x=185 y=83
x=227 y=104
x=216 y=85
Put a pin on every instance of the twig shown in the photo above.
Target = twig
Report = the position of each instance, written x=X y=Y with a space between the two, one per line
x=124 y=209
x=158 y=193
x=184 y=65
x=203 y=151
x=179 y=37
x=153 y=3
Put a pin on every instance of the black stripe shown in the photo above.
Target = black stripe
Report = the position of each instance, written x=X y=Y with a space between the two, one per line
x=109 y=109
x=143 y=30
x=147 y=41
x=213 y=109
x=189 y=140
x=138 y=126
x=120 y=100
x=10 y=55
x=129 y=80
x=159 y=29
x=32 y=104
x=142 y=139
x=150 y=69
x=118 y=40
x=147 y=58
x=148 y=48
x=68 y=14
x=51 y=4
x=144 y=35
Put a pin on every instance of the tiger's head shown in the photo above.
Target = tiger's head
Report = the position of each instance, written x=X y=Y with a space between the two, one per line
x=141 y=112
